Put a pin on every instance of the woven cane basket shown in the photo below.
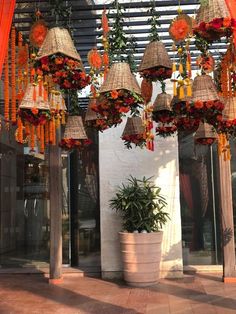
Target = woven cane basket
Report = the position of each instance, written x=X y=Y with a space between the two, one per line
x=91 y=114
x=205 y=130
x=155 y=55
x=229 y=112
x=204 y=89
x=120 y=77
x=28 y=102
x=213 y=9
x=75 y=129
x=162 y=102
x=58 y=40
x=134 y=125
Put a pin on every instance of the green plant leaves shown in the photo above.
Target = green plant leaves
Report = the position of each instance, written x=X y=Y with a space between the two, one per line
x=140 y=205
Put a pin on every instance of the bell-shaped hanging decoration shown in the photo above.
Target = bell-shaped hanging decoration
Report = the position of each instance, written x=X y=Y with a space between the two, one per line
x=33 y=108
x=75 y=129
x=120 y=77
x=134 y=132
x=156 y=63
x=204 y=89
x=228 y=123
x=57 y=101
x=93 y=119
x=213 y=20
x=162 y=111
x=74 y=135
x=59 y=41
x=205 y=134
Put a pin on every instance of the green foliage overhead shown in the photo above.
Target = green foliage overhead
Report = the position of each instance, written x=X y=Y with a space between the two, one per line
x=140 y=205
x=121 y=47
x=154 y=23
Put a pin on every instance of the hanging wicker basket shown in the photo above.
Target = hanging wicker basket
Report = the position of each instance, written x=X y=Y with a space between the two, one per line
x=205 y=134
x=211 y=10
x=229 y=112
x=162 y=102
x=32 y=92
x=91 y=114
x=75 y=129
x=204 y=89
x=162 y=111
x=59 y=41
x=155 y=55
x=134 y=125
x=120 y=77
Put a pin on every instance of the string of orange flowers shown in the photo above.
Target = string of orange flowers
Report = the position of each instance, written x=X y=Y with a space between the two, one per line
x=42 y=139
x=6 y=91
x=13 y=75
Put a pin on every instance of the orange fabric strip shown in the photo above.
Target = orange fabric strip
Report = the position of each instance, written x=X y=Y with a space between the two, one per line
x=6 y=14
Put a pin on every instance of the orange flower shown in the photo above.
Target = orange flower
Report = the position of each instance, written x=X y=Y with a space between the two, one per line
x=59 y=60
x=198 y=104
x=94 y=59
x=34 y=111
x=114 y=94
x=227 y=22
x=83 y=75
x=209 y=104
x=179 y=29
x=38 y=33
x=124 y=109
x=22 y=57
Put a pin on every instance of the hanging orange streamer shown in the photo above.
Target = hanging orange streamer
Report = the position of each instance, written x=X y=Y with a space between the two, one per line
x=6 y=90
x=42 y=143
x=231 y=4
x=13 y=75
x=6 y=14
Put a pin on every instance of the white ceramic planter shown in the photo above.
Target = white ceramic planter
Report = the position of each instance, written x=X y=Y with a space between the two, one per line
x=141 y=255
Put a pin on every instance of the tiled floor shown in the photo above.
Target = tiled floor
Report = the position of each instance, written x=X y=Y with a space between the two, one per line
x=200 y=294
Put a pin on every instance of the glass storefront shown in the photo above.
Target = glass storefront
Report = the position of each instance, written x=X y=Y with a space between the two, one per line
x=25 y=207
x=199 y=201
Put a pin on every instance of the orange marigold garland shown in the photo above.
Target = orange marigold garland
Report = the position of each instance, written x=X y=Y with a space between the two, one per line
x=180 y=27
x=42 y=139
x=95 y=59
x=146 y=90
x=13 y=75
x=6 y=90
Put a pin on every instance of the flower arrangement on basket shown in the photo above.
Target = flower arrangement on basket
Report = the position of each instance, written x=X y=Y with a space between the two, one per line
x=186 y=123
x=113 y=105
x=34 y=116
x=164 y=116
x=98 y=124
x=69 y=144
x=139 y=140
x=164 y=130
x=205 y=141
x=156 y=73
x=227 y=127
x=215 y=29
x=210 y=111
x=65 y=71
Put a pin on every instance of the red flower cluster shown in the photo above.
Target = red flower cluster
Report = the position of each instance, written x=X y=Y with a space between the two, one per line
x=98 y=124
x=70 y=144
x=113 y=105
x=164 y=116
x=205 y=141
x=137 y=139
x=187 y=123
x=34 y=116
x=156 y=74
x=65 y=71
x=215 y=29
x=227 y=126
x=165 y=130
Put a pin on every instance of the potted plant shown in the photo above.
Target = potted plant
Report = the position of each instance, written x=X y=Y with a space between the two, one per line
x=142 y=210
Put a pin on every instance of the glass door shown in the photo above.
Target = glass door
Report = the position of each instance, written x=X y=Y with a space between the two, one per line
x=198 y=166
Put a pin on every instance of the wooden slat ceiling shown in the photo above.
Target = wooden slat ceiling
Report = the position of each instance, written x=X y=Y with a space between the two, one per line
x=86 y=22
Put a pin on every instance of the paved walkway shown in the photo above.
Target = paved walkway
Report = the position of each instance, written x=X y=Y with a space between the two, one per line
x=201 y=294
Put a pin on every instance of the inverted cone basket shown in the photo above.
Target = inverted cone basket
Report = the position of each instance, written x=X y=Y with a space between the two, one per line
x=229 y=112
x=91 y=115
x=120 y=77
x=58 y=40
x=155 y=55
x=162 y=102
x=204 y=89
x=28 y=101
x=57 y=101
x=205 y=131
x=134 y=125
x=213 y=9
x=75 y=128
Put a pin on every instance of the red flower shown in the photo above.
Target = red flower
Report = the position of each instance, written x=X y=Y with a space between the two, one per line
x=217 y=23
x=44 y=60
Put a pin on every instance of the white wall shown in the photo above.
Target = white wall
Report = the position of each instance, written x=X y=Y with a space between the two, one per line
x=116 y=164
